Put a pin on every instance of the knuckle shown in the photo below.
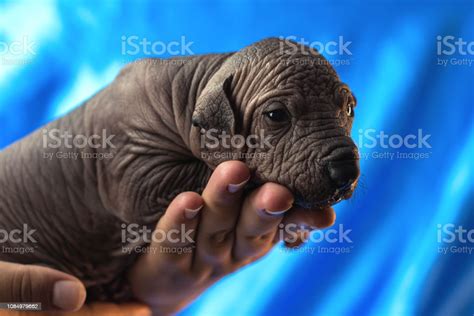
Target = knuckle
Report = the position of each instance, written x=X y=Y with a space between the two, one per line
x=187 y=195
x=259 y=239
x=220 y=238
x=22 y=285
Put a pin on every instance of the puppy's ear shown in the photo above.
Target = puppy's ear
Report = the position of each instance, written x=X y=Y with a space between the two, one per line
x=214 y=110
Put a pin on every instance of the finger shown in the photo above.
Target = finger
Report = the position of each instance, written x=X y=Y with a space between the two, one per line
x=300 y=219
x=316 y=218
x=55 y=290
x=109 y=309
x=94 y=309
x=222 y=198
x=173 y=244
x=176 y=230
x=298 y=239
x=263 y=210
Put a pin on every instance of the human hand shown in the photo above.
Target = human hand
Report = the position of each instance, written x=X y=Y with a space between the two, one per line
x=58 y=293
x=229 y=230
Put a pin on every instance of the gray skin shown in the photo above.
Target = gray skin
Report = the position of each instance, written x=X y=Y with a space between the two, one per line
x=157 y=111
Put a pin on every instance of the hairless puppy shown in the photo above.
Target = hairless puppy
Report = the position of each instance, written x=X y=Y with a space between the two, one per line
x=164 y=126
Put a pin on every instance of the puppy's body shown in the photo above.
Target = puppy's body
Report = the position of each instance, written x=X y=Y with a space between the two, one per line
x=157 y=111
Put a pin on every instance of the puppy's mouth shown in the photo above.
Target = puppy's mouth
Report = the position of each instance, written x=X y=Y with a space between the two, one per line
x=340 y=194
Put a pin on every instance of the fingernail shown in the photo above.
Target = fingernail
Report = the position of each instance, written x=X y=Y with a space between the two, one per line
x=190 y=213
x=275 y=213
x=232 y=188
x=68 y=295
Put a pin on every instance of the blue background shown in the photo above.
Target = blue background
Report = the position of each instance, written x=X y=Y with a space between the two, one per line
x=393 y=265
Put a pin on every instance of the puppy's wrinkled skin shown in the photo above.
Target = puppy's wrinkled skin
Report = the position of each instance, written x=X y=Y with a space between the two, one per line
x=159 y=112
x=292 y=96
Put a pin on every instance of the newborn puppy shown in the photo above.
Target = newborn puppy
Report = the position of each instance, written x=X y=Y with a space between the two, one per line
x=290 y=102
x=276 y=105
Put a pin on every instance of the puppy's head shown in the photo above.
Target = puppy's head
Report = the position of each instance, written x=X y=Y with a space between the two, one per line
x=281 y=108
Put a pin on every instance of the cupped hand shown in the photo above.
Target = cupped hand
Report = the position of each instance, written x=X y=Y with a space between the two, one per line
x=226 y=232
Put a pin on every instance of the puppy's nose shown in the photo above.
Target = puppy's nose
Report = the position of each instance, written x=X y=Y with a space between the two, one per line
x=344 y=173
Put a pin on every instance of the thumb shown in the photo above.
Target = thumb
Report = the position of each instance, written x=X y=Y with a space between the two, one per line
x=55 y=290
